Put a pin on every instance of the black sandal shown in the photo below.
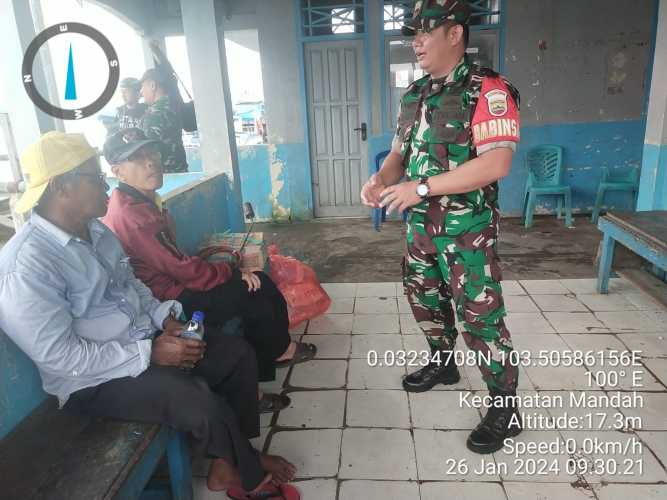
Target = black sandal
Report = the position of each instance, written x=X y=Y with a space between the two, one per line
x=303 y=352
x=273 y=402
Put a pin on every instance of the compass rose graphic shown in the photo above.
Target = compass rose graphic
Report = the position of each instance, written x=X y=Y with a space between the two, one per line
x=70 y=86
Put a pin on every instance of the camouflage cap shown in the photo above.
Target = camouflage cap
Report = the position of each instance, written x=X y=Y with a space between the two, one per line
x=429 y=14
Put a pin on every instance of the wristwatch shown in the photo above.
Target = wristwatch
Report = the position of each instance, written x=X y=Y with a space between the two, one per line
x=423 y=189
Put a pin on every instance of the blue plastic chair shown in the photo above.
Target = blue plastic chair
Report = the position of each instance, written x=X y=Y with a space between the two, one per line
x=545 y=177
x=629 y=182
x=380 y=214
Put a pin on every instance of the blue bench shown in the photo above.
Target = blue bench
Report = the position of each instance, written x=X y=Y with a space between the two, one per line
x=49 y=453
x=645 y=233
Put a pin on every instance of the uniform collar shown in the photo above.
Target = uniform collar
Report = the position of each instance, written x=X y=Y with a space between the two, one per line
x=457 y=75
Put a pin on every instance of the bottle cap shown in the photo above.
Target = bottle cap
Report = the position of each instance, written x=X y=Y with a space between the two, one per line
x=198 y=316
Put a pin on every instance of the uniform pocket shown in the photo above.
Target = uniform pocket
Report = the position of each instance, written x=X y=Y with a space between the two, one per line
x=447 y=123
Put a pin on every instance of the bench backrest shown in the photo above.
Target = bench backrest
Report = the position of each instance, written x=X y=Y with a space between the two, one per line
x=20 y=385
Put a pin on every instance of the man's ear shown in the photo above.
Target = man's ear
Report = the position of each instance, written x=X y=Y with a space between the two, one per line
x=455 y=34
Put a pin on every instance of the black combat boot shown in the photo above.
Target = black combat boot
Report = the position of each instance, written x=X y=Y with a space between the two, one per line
x=438 y=371
x=490 y=434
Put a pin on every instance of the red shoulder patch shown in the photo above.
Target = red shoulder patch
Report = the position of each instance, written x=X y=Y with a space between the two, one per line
x=496 y=117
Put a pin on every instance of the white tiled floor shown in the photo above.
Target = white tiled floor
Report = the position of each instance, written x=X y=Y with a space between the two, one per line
x=354 y=434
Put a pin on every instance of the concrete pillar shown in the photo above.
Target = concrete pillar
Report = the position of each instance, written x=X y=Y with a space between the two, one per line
x=653 y=184
x=17 y=28
x=280 y=57
x=215 y=118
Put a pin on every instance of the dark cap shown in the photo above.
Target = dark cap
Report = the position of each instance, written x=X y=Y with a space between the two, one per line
x=130 y=83
x=429 y=14
x=124 y=143
x=155 y=76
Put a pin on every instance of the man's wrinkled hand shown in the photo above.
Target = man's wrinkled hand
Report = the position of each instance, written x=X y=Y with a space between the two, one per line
x=400 y=197
x=252 y=280
x=169 y=349
x=371 y=191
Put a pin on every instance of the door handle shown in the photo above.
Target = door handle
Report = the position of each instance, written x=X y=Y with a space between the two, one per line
x=364 y=131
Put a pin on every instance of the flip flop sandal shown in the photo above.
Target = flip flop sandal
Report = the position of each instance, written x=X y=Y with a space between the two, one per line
x=303 y=352
x=273 y=402
x=282 y=492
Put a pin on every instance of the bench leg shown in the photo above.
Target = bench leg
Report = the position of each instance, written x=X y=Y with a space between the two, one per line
x=599 y=199
x=180 y=468
x=606 y=259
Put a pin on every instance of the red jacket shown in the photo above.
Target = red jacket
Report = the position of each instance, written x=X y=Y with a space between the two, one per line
x=146 y=235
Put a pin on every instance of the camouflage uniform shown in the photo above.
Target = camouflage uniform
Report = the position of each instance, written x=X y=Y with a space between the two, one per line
x=161 y=123
x=451 y=240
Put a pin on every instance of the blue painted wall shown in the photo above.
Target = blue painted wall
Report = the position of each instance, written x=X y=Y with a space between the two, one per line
x=275 y=178
x=653 y=182
x=201 y=209
x=587 y=148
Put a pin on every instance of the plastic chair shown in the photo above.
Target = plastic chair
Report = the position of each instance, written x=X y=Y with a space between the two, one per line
x=629 y=182
x=380 y=214
x=545 y=177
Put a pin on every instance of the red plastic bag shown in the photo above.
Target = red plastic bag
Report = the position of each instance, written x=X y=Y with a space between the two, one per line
x=298 y=283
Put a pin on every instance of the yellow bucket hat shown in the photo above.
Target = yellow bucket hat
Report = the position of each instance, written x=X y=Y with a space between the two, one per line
x=53 y=154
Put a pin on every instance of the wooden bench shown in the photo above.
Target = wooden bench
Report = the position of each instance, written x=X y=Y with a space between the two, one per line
x=645 y=233
x=46 y=453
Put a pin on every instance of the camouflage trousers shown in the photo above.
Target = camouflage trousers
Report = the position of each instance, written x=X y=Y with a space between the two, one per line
x=451 y=265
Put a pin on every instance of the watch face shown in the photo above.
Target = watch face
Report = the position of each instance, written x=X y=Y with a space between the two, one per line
x=422 y=190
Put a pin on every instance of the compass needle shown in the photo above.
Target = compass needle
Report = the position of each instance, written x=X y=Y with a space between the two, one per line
x=70 y=86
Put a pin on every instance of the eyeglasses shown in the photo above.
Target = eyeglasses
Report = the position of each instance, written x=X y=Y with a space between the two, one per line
x=101 y=177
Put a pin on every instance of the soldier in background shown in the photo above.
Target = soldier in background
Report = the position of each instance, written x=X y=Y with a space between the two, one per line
x=457 y=131
x=130 y=114
x=161 y=123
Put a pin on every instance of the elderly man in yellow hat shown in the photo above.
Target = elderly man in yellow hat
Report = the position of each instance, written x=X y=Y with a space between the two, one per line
x=102 y=343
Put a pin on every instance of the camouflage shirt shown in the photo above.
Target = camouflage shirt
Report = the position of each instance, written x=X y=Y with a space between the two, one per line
x=161 y=123
x=448 y=121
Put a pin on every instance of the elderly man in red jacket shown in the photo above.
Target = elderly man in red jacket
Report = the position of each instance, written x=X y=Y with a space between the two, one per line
x=220 y=291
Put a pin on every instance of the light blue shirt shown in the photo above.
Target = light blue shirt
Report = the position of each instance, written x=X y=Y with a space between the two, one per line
x=75 y=308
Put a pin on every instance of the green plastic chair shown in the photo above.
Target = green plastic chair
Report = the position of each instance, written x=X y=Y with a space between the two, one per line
x=545 y=177
x=628 y=182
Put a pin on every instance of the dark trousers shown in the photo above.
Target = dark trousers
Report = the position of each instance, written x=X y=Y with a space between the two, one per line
x=264 y=316
x=216 y=403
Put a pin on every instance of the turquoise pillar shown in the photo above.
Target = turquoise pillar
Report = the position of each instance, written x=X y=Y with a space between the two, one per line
x=653 y=182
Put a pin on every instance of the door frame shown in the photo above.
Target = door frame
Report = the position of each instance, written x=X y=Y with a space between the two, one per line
x=301 y=41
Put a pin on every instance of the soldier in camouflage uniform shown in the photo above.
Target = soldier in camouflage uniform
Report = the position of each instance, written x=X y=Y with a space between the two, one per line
x=457 y=130
x=161 y=123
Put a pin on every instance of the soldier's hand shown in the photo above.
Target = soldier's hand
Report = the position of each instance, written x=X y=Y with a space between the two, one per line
x=400 y=197
x=370 y=193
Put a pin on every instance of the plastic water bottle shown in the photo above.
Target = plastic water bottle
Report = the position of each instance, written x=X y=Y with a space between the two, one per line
x=194 y=329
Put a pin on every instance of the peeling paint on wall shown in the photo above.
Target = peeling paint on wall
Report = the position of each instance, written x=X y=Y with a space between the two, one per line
x=276 y=170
